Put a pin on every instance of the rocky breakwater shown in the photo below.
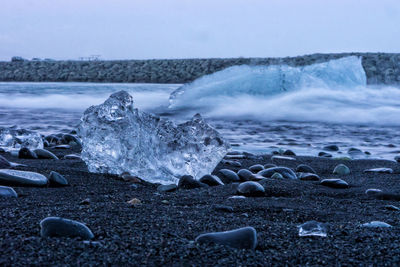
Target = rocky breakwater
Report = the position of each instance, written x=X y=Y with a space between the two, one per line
x=381 y=68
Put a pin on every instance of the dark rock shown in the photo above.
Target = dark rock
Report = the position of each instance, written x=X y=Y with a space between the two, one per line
x=334 y=183
x=6 y=191
x=380 y=170
x=223 y=208
x=245 y=175
x=25 y=153
x=331 y=148
x=46 y=143
x=86 y=201
x=69 y=138
x=387 y=196
x=397 y=158
x=211 y=180
x=72 y=156
x=56 y=226
x=341 y=169
x=228 y=176
x=52 y=139
x=324 y=155
x=57 y=179
x=289 y=152
x=167 y=188
x=286 y=172
x=256 y=168
x=4 y=163
x=242 y=238
x=392 y=207
x=250 y=189
x=269 y=165
x=376 y=224
x=231 y=163
x=277 y=158
x=22 y=178
x=62 y=147
x=373 y=192
x=44 y=154
x=305 y=176
x=305 y=168
x=188 y=182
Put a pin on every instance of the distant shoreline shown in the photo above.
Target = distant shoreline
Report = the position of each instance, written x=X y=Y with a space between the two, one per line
x=381 y=68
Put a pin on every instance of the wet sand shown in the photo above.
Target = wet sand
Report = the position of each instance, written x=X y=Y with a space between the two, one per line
x=161 y=230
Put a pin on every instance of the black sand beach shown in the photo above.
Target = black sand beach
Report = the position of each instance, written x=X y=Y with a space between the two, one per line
x=161 y=230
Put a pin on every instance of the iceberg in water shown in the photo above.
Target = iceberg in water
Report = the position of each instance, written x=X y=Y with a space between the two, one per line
x=267 y=81
x=119 y=138
x=12 y=139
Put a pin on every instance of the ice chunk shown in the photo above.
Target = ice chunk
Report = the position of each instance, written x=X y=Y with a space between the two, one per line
x=312 y=228
x=264 y=81
x=17 y=138
x=118 y=137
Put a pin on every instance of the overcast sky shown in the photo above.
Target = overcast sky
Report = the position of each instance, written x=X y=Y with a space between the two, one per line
x=142 y=29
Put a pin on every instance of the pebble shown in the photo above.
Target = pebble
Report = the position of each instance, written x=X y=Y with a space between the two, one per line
x=223 y=208
x=25 y=153
x=134 y=202
x=289 y=152
x=44 y=154
x=188 y=182
x=373 y=192
x=211 y=180
x=245 y=175
x=62 y=147
x=56 y=226
x=167 y=188
x=331 y=148
x=4 y=163
x=392 y=207
x=305 y=176
x=237 y=197
x=286 y=172
x=86 y=201
x=269 y=165
x=380 y=170
x=256 y=168
x=250 y=189
x=376 y=224
x=57 y=179
x=242 y=238
x=397 y=158
x=324 y=155
x=72 y=156
x=6 y=191
x=334 y=183
x=305 y=168
x=341 y=169
x=231 y=163
x=277 y=175
x=22 y=178
x=228 y=176
x=277 y=158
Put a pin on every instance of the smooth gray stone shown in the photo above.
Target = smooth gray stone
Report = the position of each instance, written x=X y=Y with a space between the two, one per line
x=276 y=175
x=305 y=168
x=305 y=176
x=22 y=178
x=25 y=153
x=324 y=155
x=167 y=188
x=44 y=154
x=376 y=224
x=69 y=138
x=231 y=163
x=380 y=170
x=56 y=226
x=223 y=208
x=188 y=182
x=245 y=175
x=57 y=179
x=341 y=169
x=334 y=183
x=242 y=238
x=331 y=148
x=373 y=192
x=211 y=180
x=269 y=165
x=6 y=191
x=72 y=156
x=228 y=176
x=286 y=172
x=62 y=147
x=392 y=207
x=289 y=152
x=277 y=158
x=251 y=189
x=4 y=163
x=256 y=168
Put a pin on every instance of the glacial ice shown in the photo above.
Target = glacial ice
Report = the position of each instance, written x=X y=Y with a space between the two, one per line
x=11 y=139
x=312 y=228
x=346 y=72
x=119 y=138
